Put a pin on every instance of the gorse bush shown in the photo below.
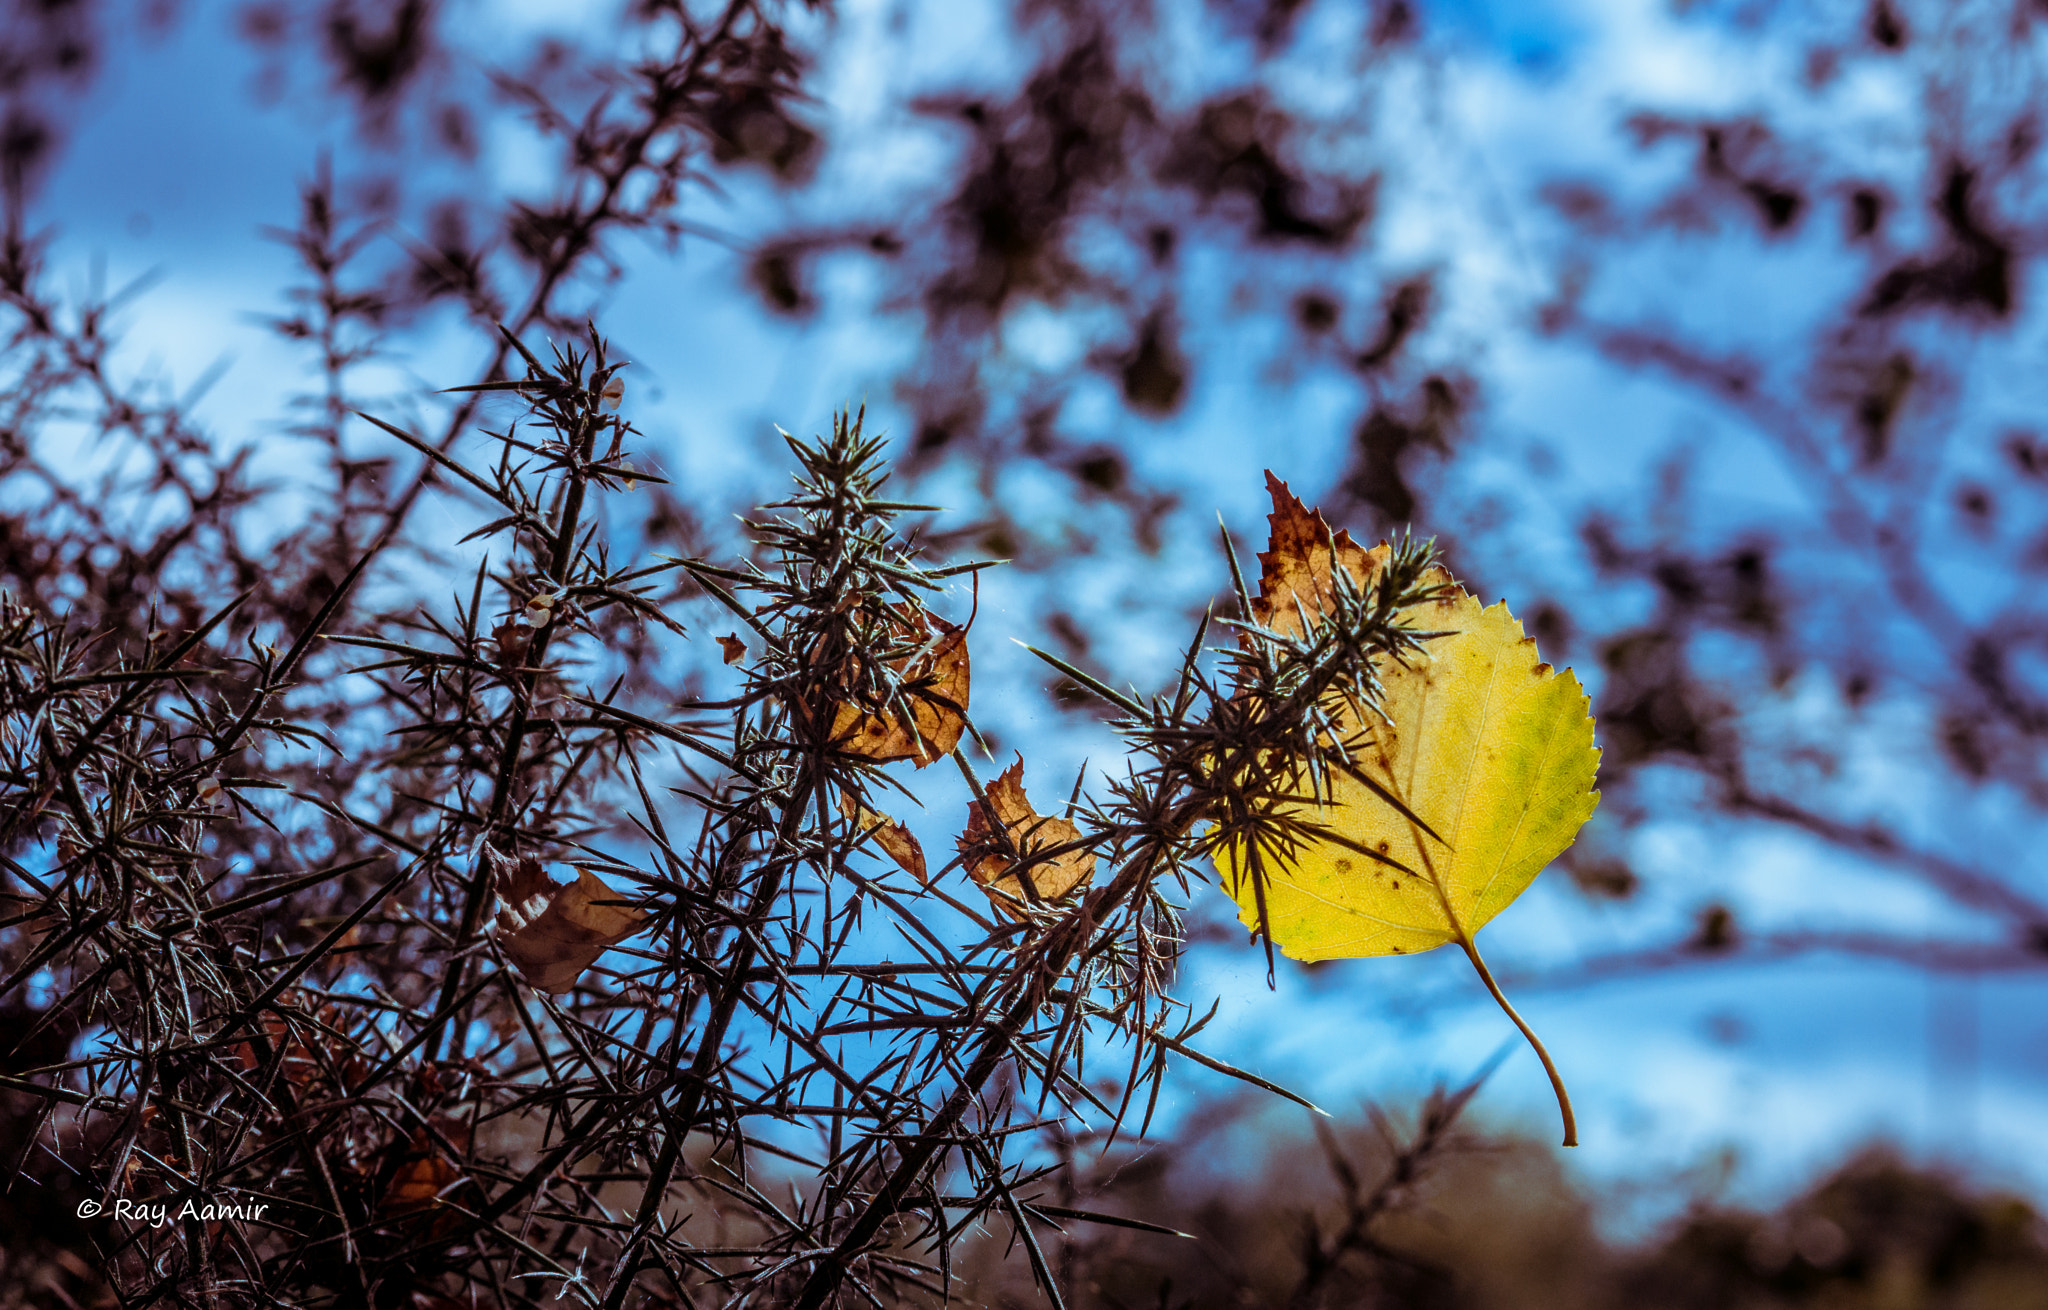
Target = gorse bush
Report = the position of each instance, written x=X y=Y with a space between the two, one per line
x=529 y=915
x=335 y=1032
x=287 y=901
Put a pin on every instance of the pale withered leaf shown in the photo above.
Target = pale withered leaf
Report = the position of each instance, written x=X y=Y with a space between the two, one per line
x=552 y=932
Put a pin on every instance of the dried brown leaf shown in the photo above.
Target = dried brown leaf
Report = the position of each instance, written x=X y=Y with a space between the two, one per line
x=552 y=933
x=896 y=840
x=989 y=860
x=935 y=687
x=512 y=639
x=428 y=1191
x=303 y=1066
x=421 y=1178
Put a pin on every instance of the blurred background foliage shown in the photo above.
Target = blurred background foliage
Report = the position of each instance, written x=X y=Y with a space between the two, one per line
x=1424 y=1215
x=1702 y=332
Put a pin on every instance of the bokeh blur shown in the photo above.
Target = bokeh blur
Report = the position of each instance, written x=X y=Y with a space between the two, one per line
x=1700 y=332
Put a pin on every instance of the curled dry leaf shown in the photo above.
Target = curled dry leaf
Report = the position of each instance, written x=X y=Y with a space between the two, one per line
x=735 y=649
x=1485 y=744
x=990 y=862
x=934 y=679
x=896 y=840
x=428 y=1187
x=512 y=639
x=552 y=933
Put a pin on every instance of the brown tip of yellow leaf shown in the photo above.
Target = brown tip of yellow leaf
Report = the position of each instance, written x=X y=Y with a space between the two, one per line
x=1298 y=568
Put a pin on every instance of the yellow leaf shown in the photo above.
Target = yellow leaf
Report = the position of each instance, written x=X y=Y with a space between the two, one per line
x=1483 y=742
x=552 y=933
x=989 y=857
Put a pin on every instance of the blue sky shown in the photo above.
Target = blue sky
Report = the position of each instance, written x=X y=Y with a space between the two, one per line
x=175 y=162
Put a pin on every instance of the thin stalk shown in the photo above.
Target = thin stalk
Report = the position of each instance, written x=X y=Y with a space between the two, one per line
x=515 y=733
x=1564 y=1100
